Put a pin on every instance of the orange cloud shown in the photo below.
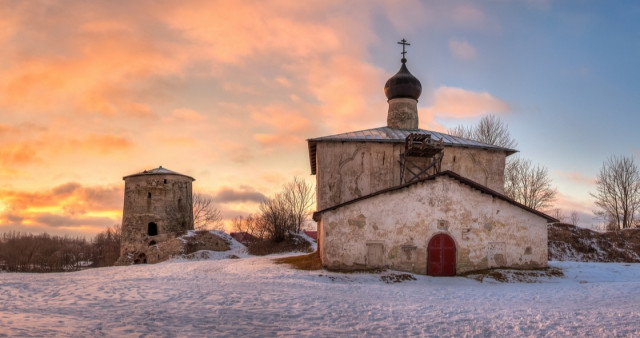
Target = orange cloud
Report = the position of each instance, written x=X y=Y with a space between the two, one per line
x=355 y=99
x=451 y=102
x=70 y=206
x=289 y=141
x=187 y=115
x=18 y=155
x=281 y=118
x=103 y=143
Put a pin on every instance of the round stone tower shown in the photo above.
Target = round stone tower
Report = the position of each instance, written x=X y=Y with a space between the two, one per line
x=157 y=206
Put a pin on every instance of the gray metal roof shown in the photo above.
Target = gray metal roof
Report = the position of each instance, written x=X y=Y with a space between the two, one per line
x=388 y=134
x=158 y=171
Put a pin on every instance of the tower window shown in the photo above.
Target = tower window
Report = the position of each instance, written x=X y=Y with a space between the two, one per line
x=148 y=195
x=152 y=229
x=165 y=181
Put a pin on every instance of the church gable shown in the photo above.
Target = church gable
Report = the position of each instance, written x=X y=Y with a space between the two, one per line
x=394 y=228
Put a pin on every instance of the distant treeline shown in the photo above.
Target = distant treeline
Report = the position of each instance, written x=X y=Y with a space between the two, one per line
x=25 y=252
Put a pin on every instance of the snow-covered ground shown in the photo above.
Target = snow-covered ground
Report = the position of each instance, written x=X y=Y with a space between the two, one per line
x=253 y=296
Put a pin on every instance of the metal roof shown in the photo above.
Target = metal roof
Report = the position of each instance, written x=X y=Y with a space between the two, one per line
x=158 y=171
x=388 y=134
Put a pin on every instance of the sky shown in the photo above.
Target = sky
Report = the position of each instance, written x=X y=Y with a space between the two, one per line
x=228 y=92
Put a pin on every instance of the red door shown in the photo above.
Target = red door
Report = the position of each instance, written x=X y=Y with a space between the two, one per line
x=441 y=256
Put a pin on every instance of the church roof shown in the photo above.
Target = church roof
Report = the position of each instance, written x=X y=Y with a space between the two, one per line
x=158 y=171
x=317 y=215
x=395 y=135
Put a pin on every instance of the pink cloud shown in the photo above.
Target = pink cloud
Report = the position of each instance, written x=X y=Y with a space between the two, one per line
x=578 y=177
x=467 y=15
x=569 y=204
x=462 y=50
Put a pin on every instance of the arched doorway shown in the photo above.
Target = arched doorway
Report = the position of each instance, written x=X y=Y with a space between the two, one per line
x=152 y=230
x=441 y=256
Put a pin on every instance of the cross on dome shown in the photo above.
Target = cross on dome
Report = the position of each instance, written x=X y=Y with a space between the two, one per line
x=404 y=43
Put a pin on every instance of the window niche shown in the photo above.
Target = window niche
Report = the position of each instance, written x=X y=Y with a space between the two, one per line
x=152 y=229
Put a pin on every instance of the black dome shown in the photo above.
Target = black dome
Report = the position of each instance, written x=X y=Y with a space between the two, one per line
x=403 y=85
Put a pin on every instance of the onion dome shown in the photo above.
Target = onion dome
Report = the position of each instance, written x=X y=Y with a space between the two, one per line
x=403 y=84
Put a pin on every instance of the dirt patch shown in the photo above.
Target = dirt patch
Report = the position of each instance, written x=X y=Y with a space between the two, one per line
x=570 y=243
x=515 y=276
x=303 y=262
x=292 y=243
x=396 y=278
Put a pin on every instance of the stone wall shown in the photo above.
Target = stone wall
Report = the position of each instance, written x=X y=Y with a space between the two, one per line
x=348 y=170
x=163 y=247
x=488 y=231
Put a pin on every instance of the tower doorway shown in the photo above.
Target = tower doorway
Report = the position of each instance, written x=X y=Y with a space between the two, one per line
x=441 y=256
x=152 y=229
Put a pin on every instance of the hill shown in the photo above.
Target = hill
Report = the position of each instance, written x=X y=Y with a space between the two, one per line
x=570 y=243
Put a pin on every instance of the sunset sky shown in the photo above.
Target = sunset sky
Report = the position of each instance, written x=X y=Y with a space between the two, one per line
x=228 y=92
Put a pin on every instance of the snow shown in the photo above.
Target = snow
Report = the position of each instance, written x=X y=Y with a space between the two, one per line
x=252 y=296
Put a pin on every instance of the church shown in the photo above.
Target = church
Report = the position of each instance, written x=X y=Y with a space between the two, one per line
x=420 y=201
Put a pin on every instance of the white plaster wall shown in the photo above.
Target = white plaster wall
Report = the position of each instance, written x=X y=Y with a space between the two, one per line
x=405 y=220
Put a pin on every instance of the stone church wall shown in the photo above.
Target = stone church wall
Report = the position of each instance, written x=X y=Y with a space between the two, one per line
x=348 y=170
x=393 y=230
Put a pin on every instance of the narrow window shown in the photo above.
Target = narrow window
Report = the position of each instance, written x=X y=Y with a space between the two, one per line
x=148 y=195
x=165 y=181
x=152 y=229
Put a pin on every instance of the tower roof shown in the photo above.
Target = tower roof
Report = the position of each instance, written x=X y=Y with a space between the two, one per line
x=158 y=171
x=403 y=84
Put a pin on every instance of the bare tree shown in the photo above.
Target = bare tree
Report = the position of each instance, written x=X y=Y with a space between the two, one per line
x=574 y=218
x=490 y=129
x=557 y=214
x=528 y=184
x=205 y=214
x=287 y=210
x=277 y=217
x=251 y=224
x=618 y=192
x=523 y=182
x=299 y=198
x=105 y=247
